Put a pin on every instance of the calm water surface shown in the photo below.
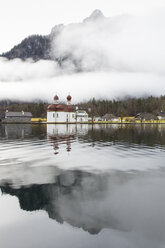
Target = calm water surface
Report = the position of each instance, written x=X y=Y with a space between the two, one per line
x=82 y=186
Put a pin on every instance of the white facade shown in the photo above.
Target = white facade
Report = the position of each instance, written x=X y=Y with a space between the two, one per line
x=81 y=116
x=65 y=113
x=61 y=113
x=61 y=117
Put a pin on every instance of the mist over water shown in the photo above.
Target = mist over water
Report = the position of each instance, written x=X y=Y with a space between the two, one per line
x=105 y=57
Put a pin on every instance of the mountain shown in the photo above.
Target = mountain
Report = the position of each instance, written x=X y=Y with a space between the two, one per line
x=35 y=47
x=96 y=15
x=38 y=47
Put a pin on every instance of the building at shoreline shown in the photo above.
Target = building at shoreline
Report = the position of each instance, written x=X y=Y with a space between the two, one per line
x=61 y=113
x=65 y=113
x=81 y=116
x=161 y=115
x=17 y=117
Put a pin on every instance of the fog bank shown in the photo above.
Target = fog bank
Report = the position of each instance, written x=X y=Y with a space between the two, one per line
x=85 y=86
x=100 y=57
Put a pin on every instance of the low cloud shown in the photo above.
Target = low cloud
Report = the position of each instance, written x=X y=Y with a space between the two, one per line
x=100 y=57
x=84 y=86
x=16 y=70
x=121 y=43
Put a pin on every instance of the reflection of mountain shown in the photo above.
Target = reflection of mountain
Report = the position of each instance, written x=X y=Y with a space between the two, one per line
x=123 y=201
x=82 y=199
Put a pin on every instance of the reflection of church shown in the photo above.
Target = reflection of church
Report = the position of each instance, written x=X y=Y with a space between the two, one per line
x=60 y=135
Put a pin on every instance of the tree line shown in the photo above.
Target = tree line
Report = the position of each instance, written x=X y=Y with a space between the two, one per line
x=38 y=109
x=95 y=107
x=124 y=107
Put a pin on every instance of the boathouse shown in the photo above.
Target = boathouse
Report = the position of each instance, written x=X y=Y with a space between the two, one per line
x=11 y=117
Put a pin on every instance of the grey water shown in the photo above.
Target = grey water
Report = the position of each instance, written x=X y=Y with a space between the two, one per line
x=82 y=186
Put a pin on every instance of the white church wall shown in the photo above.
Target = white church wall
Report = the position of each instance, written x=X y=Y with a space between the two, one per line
x=58 y=117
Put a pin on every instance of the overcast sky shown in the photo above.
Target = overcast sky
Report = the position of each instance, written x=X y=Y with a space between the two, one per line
x=20 y=18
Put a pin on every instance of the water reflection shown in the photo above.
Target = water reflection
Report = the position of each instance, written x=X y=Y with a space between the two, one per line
x=119 y=201
x=61 y=134
x=149 y=135
x=91 y=177
x=15 y=131
x=107 y=135
x=71 y=198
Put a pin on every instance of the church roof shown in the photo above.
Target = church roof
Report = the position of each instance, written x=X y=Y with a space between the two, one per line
x=61 y=108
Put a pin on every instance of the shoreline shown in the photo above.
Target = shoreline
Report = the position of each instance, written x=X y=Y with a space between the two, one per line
x=90 y=123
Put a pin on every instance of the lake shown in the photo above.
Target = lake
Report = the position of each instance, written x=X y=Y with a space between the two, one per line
x=82 y=186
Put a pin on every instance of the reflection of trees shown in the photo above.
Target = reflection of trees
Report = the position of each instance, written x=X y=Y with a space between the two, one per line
x=149 y=135
x=38 y=130
x=77 y=197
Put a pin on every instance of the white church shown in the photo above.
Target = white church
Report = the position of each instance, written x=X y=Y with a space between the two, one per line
x=65 y=113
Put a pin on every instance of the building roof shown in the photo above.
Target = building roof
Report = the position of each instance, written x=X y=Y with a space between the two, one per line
x=60 y=108
x=81 y=111
x=146 y=116
x=109 y=116
x=18 y=114
x=162 y=114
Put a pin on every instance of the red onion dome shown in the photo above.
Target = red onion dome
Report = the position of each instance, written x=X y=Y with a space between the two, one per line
x=69 y=98
x=56 y=98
